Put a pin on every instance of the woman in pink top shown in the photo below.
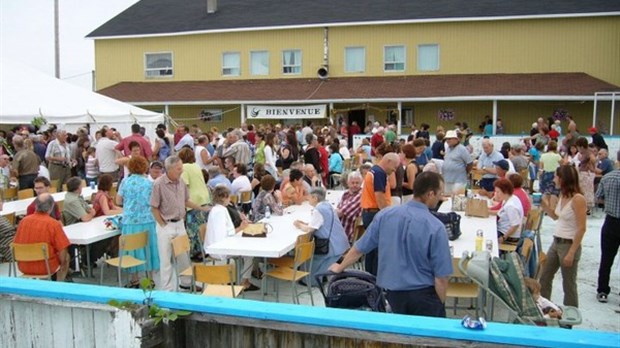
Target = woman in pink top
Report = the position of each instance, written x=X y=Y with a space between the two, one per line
x=517 y=183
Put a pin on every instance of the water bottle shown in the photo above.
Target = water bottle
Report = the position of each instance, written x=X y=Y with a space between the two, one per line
x=267 y=212
x=479 y=240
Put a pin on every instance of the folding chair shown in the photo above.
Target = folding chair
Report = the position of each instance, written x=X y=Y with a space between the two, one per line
x=289 y=261
x=246 y=200
x=129 y=242
x=180 y=246
x=29 y=253
x=304 y=253
x=26 y=193
x=10 y=194
x=11 y=218
x=217 y=280
x=461 y=286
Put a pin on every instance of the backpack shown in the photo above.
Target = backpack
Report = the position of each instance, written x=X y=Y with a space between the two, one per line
x=452 y=222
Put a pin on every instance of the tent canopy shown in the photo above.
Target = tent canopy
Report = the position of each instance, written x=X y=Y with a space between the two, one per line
x=26 y=93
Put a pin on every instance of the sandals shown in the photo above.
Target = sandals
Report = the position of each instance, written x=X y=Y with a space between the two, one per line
x=601 y=297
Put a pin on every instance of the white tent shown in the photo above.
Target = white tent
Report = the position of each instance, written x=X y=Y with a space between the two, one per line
x=26 y=93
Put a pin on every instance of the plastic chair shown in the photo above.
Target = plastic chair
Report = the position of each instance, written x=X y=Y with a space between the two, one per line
x=129 y=242
x=304 y=253
x=180 y=246
x=30 y=253
x=10 y=194
x=26 y=193
x=10 y=218
x=289 y=261
x=461 y=286
x=218 y=280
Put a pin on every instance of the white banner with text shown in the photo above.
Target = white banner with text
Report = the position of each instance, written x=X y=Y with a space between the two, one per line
x=286 y=112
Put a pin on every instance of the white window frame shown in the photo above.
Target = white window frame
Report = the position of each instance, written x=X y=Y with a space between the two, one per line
x=363 y=63
x=438 y=57
x=385 y=62
x=224 y=67
x=292 y=67
x=147 y=69
x=268 y=62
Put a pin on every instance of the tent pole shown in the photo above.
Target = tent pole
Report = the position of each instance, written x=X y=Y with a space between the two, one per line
x=494 y=116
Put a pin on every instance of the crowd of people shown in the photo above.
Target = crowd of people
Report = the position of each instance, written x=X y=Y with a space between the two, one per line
x=183 y=183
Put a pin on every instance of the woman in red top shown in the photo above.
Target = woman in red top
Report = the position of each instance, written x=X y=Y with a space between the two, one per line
x=103 y=202
x=517 y=183
x=324 y=159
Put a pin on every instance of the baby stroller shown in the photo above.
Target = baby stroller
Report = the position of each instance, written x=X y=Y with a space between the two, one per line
x=504 y=280
x=352 y=289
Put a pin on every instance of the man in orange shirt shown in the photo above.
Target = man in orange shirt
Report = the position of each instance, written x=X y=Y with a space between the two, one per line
x=40 y=227
x=376 y=195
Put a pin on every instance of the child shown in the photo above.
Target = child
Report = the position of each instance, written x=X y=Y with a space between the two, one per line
x=546 y=307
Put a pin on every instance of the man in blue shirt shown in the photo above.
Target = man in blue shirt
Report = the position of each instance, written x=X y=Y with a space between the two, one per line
x=414 y=254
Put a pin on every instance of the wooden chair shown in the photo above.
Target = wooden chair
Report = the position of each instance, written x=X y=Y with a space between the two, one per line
x=53 y=189
x=180 y=246
x=304 y=253
x=26 y=193
x=10 y=194
x=533 y=223
x=336 y=181
x=54 y=183
x=507 y=247
x=61 y=205
x=526 y=250
x=245 y=198
x=542 y=258
x=64 y=187
x=10 y=218
x=460 y=286
x=217 y=280
x=30 y=253
x=289 y=261
x=525 y=174
x=129 y=242
x=347 y=164
x=113 y=191
x=234 y=199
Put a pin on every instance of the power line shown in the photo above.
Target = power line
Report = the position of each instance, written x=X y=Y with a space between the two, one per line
x=78 y=75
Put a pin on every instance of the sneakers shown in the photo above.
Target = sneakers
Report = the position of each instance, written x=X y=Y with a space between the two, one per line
x=601 y=297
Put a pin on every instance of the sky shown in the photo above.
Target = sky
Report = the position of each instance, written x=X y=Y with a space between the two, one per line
x=27 y=34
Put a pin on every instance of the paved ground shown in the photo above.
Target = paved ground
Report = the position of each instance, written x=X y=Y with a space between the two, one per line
x=596 y=316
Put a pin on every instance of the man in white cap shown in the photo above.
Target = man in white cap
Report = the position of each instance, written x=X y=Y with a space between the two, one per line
x=457 y=163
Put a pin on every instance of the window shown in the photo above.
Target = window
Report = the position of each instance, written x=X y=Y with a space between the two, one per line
x=291 y=62
x=231 y=64
x=428 y=57
x=394 y=58
x=354 y=59
x=158 y=64
x=259 y=63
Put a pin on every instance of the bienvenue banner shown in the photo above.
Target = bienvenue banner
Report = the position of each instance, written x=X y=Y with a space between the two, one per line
x=286 y=112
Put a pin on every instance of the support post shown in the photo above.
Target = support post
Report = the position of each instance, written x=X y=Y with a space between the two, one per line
x=399 y=126
x=613 y=111
x=242 y=114
x=494 y=117
x=594 y=109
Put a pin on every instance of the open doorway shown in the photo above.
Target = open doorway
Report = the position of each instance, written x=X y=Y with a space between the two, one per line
x=358 y=116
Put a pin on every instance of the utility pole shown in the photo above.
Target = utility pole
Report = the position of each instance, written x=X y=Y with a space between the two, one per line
x=56 y=42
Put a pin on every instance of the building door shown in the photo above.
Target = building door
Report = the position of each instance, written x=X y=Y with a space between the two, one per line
x=358 y=116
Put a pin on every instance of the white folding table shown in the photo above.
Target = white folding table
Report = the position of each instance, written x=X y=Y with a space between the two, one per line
x=20 y=206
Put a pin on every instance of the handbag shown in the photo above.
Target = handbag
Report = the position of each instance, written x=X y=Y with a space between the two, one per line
x=256 y=230
x=452 y=222
x=321 y=245
x=477 y=207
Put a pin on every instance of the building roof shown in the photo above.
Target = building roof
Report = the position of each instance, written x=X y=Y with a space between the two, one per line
x=165 y=17
x=544 y=86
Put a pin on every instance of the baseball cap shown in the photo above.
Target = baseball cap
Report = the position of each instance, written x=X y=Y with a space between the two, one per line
x=502 y=164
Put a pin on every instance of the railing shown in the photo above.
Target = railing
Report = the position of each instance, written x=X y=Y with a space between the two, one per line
x=233 y=323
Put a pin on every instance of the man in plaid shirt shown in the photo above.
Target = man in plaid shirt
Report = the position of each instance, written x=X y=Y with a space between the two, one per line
x=350 y=208
x=609 y=190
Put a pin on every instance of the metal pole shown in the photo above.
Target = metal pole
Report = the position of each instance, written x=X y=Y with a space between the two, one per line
x=399 y=127
x=56 y=42
x=594 y=110
x=242 y=113
x=613 y=110
x=494 y=116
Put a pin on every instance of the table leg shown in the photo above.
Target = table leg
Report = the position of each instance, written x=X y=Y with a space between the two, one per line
x=76 y=253
x=89 y=267
x=263 y=281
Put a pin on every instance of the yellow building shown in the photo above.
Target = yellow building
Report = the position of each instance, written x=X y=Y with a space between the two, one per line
x=219 y=64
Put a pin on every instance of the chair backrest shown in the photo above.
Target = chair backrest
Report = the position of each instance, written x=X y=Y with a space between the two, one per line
x=64 y=187
x=456 y=273
x=526 y=249
x=54 y=183
x=130 y=242
x=60 y=204
x=542 y=258
x=303 y=253
x=52 y=189
x=534 y=219
x=180 y=245
x=30 y=252
x=113 y=191
x=10 y=193
x=303 y=238
x=246 y=197
x=10 y=218
x=234 y=199
x=26 y=193
x=214 y=274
